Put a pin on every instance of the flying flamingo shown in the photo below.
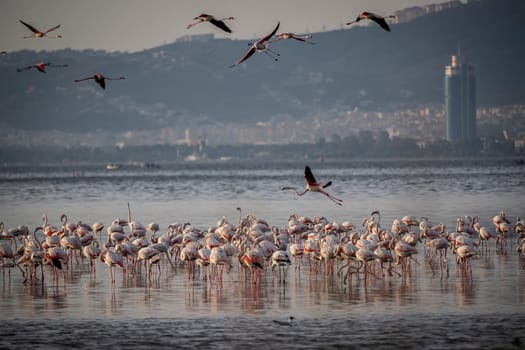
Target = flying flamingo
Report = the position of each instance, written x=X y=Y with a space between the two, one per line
x=260 y=45
x=285 y=36
x=209 y=18
x=313 y=186
x=99 y=79
x=41 y=67
x=372 y=16
x=38 y=34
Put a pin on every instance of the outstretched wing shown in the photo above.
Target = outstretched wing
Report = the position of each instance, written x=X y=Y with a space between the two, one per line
x=24 y=68
x=30 y=27
x=381 y=21
x=309 y=176
x=272 y=33
x=51 y=29
x=221 y=25
x=246 y=55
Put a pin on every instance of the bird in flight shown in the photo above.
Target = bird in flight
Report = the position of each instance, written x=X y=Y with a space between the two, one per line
x=203 y=17
x=372 y=16
x=38 y=34
x=284 y=36
x=99 y=79
x=41 y=67
x=313 y=186
x=260 y=45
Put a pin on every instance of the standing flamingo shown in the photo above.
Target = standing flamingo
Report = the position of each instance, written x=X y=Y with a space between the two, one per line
x=203 y=17
x=38 y=34
x=285 y=36
x=111 y=258
x=281 y=259
x=99 y=79
x=41 y=67
x=313 y=186
x=260 y=45
x=372 y=16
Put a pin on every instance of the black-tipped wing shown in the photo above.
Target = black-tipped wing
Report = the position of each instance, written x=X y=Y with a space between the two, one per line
x=382 y=22
x=309 y=176
x=30 y=27
x=101 y=82
x=221 y=25
x=24 y=68
x=272 y=33
x=246 y=55
x=51 y=29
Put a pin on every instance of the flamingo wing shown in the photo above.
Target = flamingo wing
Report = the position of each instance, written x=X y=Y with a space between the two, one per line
x=30 y=27
x=309 y=176
x=101 y=82
x=87 y=78
x=246 y=55
x=220 y=24
x=51 y=29
x=298 y=38
x=382 y=22
x=269 y=35
x=25 y=68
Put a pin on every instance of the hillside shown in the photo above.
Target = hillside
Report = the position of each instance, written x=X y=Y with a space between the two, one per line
x=187 y=83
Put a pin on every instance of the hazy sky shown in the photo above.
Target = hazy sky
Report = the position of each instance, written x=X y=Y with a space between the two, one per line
x=134 y=25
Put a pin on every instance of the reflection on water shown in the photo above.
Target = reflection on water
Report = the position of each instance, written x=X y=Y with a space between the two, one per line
x=423 y=309
x=81 y=293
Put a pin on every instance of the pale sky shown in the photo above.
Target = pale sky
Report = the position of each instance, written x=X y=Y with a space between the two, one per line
x=134 y=25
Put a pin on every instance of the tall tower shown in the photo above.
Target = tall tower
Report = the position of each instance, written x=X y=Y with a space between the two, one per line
x=460 y=100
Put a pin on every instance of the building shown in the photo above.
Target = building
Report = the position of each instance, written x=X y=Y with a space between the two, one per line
x=460 y=100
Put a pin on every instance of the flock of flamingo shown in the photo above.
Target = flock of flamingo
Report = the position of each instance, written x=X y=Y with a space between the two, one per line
x=254 y=248
x=252 y=245
x=261 y=45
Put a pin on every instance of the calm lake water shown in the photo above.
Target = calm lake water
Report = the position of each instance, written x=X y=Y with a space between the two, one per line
x=425 y=310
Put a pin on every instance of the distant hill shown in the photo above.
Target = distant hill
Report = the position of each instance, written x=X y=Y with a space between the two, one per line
x=189 y=82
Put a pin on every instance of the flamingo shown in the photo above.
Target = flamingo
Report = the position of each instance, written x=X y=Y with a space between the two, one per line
x=313 y=186
x=111 y=258
x=281 y=259
x=99 y=79
x=38 y=34
x=149 y=255
x=6 y=252
x=92 y=252
x=254 y=260
x=372 y=16
x=260 y=45
x=285 y=36
x=41 y=67
x=203 y=17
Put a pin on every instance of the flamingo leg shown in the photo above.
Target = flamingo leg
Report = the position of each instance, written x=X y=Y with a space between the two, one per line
x=270 y=55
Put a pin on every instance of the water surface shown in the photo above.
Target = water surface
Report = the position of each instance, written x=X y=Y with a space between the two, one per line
x=425 y=310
